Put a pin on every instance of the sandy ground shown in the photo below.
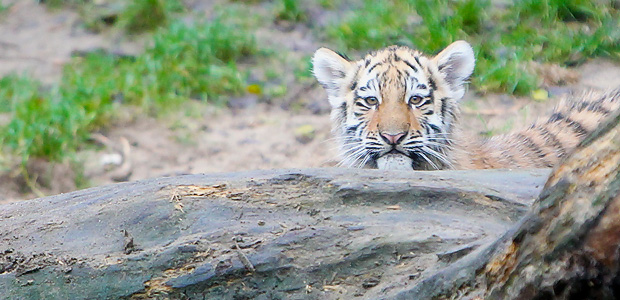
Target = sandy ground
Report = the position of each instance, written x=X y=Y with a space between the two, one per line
x=200 y=139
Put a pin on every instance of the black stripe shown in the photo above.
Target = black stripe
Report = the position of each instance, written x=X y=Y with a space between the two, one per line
x=577 y=127
x=343 y=111
x=508 y=155
x=367 y=63
x=426 y=101
x=374 y=66
x=444 y=107
x=362 y=104
x=358 y=114
x=530 y=144
x=410 y=65
x=431 y=81
x=553 y=139
x=555 y=117
x=598 y=107
x=430 y=112
x=351 y=130
x=396 y=57
x=399 y=73
x=355 y=78
x=435 y=128
x=417 y=59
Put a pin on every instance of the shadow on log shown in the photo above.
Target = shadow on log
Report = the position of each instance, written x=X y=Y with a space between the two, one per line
x=287 y=234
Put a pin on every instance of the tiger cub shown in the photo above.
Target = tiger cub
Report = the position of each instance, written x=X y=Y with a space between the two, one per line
x=398 y=109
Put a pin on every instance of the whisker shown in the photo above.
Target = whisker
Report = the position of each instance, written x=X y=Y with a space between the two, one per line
x=439 y=156
x=428 y=160
x=440 y=145
x=366 y=159
x=351 y=158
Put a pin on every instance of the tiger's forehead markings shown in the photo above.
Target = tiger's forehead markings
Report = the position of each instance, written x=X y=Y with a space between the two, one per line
x=373 y=67
x=392 y=78
x=370 y=85
x=415 y=70
x=391 y=68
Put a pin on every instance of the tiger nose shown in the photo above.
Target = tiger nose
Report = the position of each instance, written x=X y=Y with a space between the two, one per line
x=393 y=139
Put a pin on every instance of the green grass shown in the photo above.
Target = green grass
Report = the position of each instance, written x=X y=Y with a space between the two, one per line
x=61 y=3
x=41 y=125
x=133 y=16
x=4 y=8
x=373 y=25
x=147 y=15
x=290 y=10
x=505 y=40
x=184 y=61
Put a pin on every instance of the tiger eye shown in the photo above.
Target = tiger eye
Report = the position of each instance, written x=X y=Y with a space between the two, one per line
x=415 y=100
x=372 y=101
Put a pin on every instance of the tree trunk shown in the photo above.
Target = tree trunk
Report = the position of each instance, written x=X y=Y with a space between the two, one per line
x=566 y=247
x=291 y=234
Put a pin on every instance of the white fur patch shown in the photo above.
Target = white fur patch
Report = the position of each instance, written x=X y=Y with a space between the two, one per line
x=394 y=162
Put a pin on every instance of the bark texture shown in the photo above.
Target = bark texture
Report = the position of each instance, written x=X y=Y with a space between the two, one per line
x=566 y=247
x=287 y=234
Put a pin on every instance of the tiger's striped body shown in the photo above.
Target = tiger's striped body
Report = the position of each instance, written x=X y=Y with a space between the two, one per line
x=398 y=109
x=547 y=141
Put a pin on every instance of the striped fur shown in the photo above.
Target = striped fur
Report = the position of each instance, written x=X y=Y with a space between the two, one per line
x=398 y=109
x=546 y=141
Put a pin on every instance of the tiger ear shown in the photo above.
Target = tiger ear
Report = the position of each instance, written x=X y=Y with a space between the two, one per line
x=330 y=69
x=455 y=64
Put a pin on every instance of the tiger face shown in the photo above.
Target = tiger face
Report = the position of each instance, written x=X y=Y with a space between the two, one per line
x=395 y=108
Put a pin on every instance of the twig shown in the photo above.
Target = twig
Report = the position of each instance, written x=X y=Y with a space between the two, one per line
x=31 y=183
x=244 y=259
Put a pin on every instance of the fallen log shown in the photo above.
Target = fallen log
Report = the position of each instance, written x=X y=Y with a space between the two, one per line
x=566 y=247
x=287 y=234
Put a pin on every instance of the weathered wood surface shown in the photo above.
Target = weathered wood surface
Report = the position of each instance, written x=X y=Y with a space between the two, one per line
x=284 y=234
x=566 y=247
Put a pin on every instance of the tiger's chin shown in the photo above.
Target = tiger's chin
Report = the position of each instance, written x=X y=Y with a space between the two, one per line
x=395 y=161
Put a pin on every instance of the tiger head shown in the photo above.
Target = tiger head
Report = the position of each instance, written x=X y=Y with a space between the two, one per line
x=395 y=108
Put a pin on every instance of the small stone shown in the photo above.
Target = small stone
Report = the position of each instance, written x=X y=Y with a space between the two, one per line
x=370 y=282
x=248 y=100
x=356 y=228
x=261 y=223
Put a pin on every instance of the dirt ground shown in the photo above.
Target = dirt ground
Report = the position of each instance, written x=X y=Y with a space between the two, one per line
x=203 y=139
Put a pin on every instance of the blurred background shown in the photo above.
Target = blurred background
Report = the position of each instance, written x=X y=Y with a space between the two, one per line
x=99 y=91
